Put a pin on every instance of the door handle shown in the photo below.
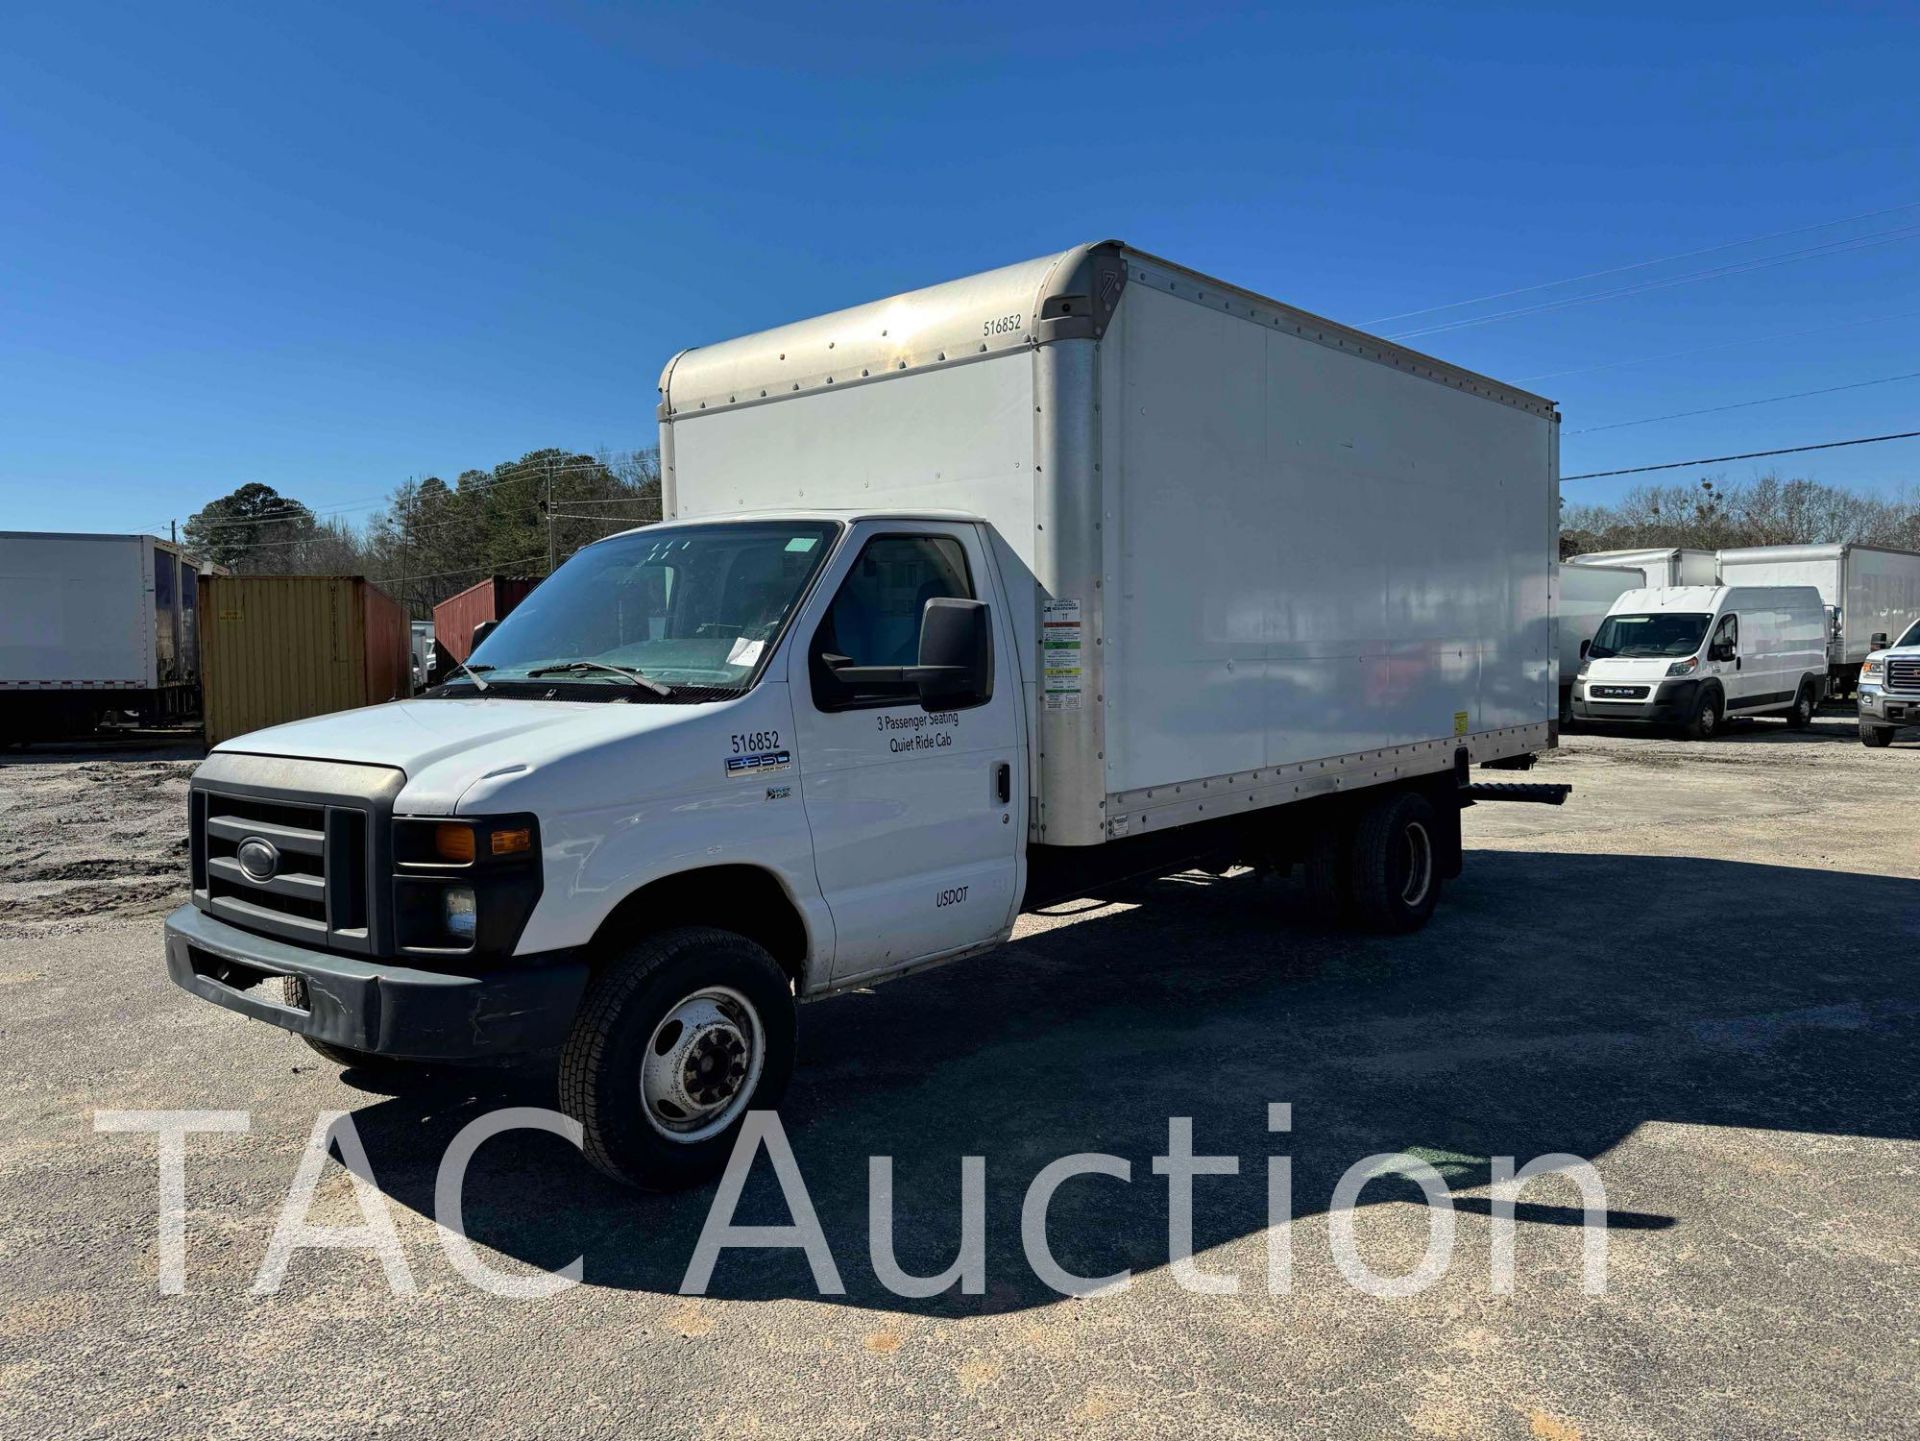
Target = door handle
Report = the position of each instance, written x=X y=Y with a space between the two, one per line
x=1003 y=782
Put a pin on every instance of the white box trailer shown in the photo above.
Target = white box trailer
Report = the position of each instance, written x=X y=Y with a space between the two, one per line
x=970 y=600
x=93 y=624
x=1586 y=593
x=1661 y=565
x=1870 y=590
x=1253 y=555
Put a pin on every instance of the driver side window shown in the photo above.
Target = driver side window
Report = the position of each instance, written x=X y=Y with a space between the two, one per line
x=1726 y=640
x=875 y=617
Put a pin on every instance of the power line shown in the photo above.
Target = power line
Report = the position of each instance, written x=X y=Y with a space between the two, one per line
x=1645 y=264
x=1718 y=345
x=1744 y=404
x=1716 y=272
x=1750 y=455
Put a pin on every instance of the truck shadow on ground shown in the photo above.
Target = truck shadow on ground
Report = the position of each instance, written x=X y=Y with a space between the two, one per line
x=1834 y=725
x=1548 y=1008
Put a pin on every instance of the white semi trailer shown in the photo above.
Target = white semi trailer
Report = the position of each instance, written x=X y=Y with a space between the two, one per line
x=1586 y=593
x=1872 y=594
x=91 y=627
x=968 y=600
x=1660 y=565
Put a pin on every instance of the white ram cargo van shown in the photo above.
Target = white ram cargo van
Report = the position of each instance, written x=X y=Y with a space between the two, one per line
x=1693 y=655
x=968 y=601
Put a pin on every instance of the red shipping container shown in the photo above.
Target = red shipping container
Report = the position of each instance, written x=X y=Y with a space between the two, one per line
x=456 y=616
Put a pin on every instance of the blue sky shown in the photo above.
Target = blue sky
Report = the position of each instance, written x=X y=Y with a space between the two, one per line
x=332 y=247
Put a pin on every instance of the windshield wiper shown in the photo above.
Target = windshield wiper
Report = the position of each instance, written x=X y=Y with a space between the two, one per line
x=473 y=672
x=633 y=676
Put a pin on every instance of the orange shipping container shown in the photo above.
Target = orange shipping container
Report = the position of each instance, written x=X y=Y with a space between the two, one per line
x=456 y=616
x=277 y=648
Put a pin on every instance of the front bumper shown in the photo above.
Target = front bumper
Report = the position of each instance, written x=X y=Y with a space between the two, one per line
x=1669 y=702
x=378 y=1006
x=1894 y=710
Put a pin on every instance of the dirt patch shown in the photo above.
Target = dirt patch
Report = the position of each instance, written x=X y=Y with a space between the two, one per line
x=86 y=837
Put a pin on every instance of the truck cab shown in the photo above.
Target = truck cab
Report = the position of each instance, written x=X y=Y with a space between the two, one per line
x=1890 y=688
x=621 y=757
x=1693 y=656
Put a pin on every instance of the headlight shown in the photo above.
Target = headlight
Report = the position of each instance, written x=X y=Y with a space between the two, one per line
x=457 y=913
x=464 y=885
x=1684 y=667
x=1872 y=670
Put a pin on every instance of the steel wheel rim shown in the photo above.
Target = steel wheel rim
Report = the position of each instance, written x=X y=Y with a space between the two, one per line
x=1419 y=865
x=702 y=1064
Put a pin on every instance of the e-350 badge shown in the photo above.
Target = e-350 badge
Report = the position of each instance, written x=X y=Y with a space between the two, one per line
x=765 y=763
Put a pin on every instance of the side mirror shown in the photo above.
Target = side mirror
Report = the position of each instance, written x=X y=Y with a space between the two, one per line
x=956 y=654
x=481 y=632
x=1585 y=646
x=1878 y=642
x=955 y=664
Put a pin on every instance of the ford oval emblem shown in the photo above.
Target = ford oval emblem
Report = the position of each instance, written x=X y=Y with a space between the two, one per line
x=259 y=860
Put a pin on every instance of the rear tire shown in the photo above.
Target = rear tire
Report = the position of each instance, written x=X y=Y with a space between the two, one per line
x=1326 y=872
x=1876 y=736
x=678 y=1038
x=1704 y=723
x=1395 y=867
x=1801 y=716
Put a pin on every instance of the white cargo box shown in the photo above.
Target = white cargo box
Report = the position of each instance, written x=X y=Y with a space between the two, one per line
x=94 y=612
x=1876 y=590
x=1261 y=556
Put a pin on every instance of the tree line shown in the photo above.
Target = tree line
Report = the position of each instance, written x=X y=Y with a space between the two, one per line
x=432 y=539
x=1716 y=515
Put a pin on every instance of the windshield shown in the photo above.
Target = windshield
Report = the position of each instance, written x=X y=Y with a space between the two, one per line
x=1670 y=633
x=694 y=606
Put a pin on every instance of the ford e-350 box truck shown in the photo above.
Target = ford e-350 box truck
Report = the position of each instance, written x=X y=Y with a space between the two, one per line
x=967 y=600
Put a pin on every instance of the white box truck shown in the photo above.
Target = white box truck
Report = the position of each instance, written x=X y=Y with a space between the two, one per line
x=1872 y=594
x=1661 y=565
x=1693 y=656
x=1586 y=593
x=93 y=626
x=968 y=600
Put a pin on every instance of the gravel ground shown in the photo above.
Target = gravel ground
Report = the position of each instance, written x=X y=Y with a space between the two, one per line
x=1699 y=974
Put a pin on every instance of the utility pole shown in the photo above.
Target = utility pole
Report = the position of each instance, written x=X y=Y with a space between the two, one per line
x=550 y=549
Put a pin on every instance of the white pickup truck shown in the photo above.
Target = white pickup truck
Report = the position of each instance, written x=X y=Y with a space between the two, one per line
x=969 y=600
x=1890 y=688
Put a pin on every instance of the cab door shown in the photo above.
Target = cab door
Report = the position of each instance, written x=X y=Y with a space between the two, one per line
x=1726 y=662
x=915 y=813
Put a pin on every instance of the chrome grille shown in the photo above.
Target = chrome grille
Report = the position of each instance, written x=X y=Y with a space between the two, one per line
x=1903 y=674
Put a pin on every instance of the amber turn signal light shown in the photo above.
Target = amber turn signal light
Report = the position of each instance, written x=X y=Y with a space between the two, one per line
x=454 y=843
x=511 y=843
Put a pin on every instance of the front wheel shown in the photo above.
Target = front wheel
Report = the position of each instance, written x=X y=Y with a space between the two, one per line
x=1876 y=736
x=1395 y=876
x=678 y=1038
x=1704 y=723
x=1801 y=716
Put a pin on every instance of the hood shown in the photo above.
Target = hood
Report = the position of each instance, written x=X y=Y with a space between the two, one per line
x=445 y=746
x=1616 y=668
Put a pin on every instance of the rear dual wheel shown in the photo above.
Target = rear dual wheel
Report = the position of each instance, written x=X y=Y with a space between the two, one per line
x=1381 y=869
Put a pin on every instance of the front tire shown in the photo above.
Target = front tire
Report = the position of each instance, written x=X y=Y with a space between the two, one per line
x=678 y=1038
x=1704 y=723
x=1395 y=875
x=1801 y=716
x=1877 y=737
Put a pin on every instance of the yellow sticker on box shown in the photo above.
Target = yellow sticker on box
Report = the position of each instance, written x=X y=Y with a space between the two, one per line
x=1460 y=722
